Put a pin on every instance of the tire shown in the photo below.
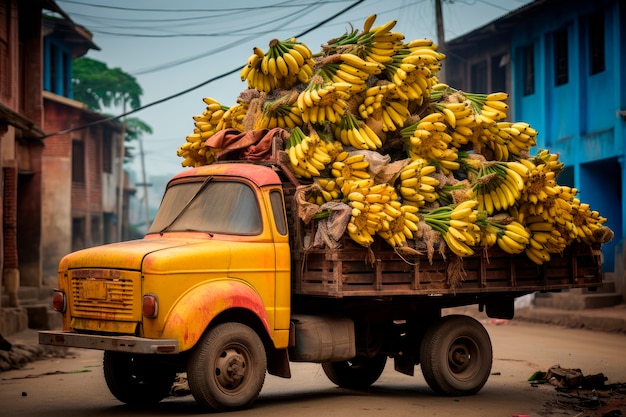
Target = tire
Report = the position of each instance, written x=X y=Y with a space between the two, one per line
x=456 y=356
x=137 y=380
x=226 y=371
x=358 y=373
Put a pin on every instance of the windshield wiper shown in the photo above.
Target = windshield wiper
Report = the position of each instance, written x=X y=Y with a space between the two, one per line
x=191 y=200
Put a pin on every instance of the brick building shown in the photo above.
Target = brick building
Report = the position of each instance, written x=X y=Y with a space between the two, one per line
x=59 y=192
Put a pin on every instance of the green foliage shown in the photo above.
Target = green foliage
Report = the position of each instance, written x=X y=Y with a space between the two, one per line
x=99 y=86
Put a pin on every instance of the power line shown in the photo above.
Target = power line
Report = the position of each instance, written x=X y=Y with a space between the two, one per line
x=195 y=87
x=221 y=48
x=132 y=9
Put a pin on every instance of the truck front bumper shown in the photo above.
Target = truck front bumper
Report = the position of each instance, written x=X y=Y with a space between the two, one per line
x=131 y=344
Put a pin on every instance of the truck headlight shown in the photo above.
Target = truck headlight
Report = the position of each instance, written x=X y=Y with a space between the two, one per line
x=59 y=301
x=150 y=305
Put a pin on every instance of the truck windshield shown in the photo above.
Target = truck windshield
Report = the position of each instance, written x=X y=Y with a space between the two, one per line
x=222 y=207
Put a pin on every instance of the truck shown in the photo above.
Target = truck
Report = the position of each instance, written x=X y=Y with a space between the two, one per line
x=227 y=286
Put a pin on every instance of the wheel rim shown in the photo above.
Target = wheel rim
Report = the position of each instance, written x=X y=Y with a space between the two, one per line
x=463 y=357
x=231 y=368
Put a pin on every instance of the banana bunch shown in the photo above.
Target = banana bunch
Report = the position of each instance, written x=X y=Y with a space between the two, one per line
x=551 y=160
x=489 y=107
x=322 y=191
x=558 y=207
x=540 y=184
x=498 y=185
x=513 y=237
x=423 y=52
x=415 y=185
x=212 y=118
x=457 y=226
x=349 y=68
x=374 y=98
x=234 y=117
x=394 y=112
x=333 y=148
x=402 y=223
x=428 y=138
x=254 y=75
x=542 y=235
x=288 y=59
x=349 y=168
x=374 y=44
x=464 y=112
x=193 y=151
x=383 y=44
x=414 y=69
x=322 y=101
x=371 y=210
x=588 y=223
x=352 y=132
x=283 y=116
x=307 y=155
x=494 y=139
x=519 y=137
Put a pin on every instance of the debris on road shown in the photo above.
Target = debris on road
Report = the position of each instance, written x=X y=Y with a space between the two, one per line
x=587 y=395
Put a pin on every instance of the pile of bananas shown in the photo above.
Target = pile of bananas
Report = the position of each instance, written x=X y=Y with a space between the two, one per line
x=467 y=173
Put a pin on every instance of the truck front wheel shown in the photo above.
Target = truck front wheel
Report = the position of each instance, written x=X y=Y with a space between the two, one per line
x=137 y=379
x=456 y=356
x=226 y=371
x=357 y=373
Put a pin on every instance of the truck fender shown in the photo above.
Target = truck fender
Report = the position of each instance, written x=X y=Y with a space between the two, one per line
x=194 y=311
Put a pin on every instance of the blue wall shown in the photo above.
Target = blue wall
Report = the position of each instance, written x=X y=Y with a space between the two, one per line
x=580 y=119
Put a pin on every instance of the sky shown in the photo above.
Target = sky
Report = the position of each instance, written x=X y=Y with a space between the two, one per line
x=172 y=47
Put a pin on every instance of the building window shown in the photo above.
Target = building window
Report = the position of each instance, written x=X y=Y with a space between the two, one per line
x=95 y=230
x=596 y=43
x=528 y=71
x=78 y=233
x=57 y=68
x=107 y=152
x=498 y=72
x=78 y=162
x=5 y=64
x=561 y=66
x=478 y=77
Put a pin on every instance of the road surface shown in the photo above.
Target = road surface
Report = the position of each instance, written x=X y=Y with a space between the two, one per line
x=75 y=387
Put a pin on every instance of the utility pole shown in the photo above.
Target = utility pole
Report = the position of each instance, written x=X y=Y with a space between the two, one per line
x=120 y=181
x=441 y=40
x=145 y=186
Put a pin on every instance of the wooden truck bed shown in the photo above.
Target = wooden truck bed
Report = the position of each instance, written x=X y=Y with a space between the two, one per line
x=346 y=272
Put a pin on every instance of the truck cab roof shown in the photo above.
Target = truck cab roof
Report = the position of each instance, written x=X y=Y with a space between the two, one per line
x=261 y=175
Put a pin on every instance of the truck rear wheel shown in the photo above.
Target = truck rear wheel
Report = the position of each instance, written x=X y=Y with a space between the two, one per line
x=226 y=371
x=137 y=379
x=357 y=373
x=456 y=356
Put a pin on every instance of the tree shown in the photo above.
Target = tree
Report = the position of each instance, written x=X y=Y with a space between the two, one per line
x=100 y=87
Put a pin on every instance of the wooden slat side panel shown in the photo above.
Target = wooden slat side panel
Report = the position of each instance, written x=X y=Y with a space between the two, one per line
x=346 y=272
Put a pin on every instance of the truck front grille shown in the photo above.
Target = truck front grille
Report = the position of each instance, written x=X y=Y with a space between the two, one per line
x=105 y=294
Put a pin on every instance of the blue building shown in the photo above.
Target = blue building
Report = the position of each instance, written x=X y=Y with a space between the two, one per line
x=563 y=63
